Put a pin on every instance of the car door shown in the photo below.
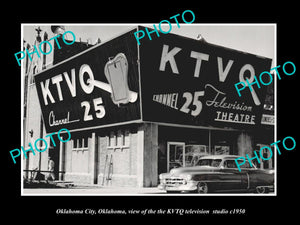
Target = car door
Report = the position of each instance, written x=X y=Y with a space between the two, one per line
x=231 y=179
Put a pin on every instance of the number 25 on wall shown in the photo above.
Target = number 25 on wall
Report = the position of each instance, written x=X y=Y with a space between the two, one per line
x=196 y=102
x=99 y=109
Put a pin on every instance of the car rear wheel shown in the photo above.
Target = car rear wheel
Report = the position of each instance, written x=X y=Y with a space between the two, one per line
x=202 y=188
x=261 y=190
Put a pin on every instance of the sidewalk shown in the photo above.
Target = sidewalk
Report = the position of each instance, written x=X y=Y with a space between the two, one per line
x=86 y=189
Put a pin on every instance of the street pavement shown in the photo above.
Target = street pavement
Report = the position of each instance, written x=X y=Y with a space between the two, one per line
x=92 y=190
x=85 y=189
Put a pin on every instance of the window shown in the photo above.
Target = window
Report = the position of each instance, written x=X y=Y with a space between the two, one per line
x=127 y=138
x=230 y=164
x=80 y=155
x=119 y=139
x=222 y=150
x=80 y=144
x=245 y=165
x=209 y=162
x=112 y=140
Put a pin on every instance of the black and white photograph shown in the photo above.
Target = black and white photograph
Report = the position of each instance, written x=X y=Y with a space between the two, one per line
x=158 y=117
x=167 y=113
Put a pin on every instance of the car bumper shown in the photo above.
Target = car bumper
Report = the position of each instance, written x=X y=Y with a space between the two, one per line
x=189 y=186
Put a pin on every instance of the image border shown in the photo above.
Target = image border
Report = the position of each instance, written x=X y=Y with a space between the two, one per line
x=274 y=63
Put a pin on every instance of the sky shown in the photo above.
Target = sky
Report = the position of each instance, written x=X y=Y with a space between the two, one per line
x=258 y=39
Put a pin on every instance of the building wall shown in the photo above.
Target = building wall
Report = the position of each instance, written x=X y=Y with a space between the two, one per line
x=33 y=115
x=123 y=156
x=150 y=158
x=33 y=123
x=78 y=162
x=117 y=164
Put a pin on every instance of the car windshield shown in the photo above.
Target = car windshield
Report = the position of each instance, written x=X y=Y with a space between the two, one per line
x=230 y=163
x=209 y=162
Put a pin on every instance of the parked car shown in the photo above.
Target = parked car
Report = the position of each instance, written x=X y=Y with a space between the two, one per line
x=191 y=159
x=217 y=173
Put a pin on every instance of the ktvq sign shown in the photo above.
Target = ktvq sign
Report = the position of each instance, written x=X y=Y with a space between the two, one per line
x=185 y=81
x=168 y=79
x=96 y=87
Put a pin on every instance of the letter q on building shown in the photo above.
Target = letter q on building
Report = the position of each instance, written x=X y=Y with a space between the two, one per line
x=22 y=54
x=141 y=34
x=265 y=78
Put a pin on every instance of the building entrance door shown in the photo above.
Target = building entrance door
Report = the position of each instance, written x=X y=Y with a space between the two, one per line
x=175 y=155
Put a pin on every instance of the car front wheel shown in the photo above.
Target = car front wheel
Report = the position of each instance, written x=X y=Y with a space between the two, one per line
x=202 y=188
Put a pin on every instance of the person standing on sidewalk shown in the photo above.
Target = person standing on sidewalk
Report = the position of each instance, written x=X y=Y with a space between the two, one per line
x=51 y=164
